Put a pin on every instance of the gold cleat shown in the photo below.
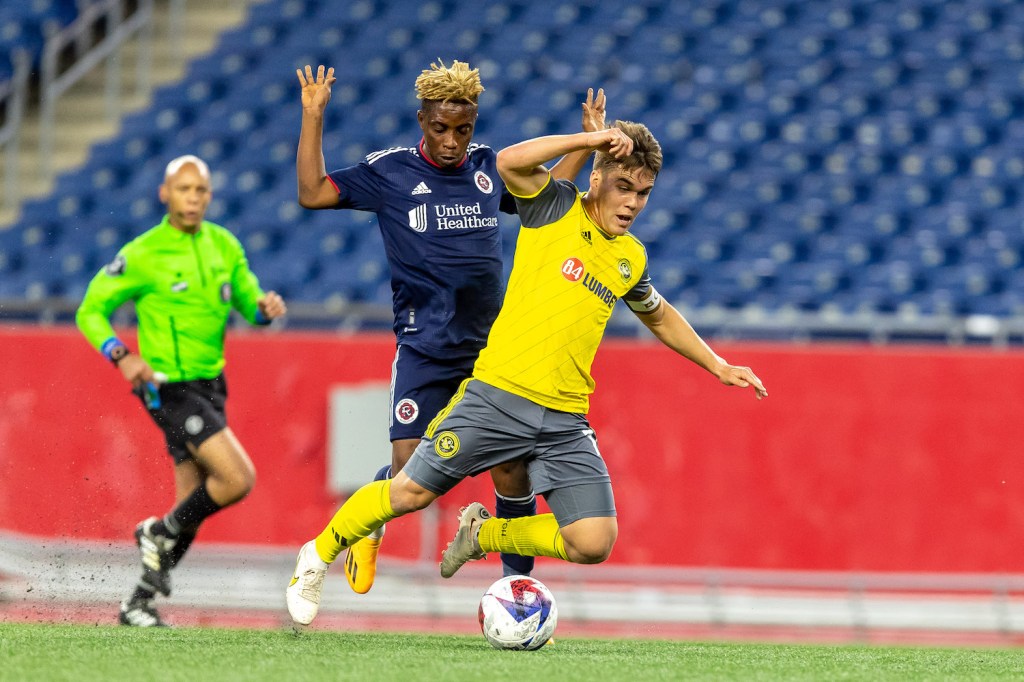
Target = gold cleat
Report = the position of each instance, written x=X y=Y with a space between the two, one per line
x=361 y=564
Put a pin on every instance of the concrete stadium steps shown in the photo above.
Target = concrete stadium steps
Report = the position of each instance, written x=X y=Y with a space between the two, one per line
x=82 y=118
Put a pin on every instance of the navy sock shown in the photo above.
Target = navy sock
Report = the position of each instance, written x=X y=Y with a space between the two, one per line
x=384 y=474
x=512 y=508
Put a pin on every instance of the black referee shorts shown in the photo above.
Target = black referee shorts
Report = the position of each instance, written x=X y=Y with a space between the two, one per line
x=191 y=412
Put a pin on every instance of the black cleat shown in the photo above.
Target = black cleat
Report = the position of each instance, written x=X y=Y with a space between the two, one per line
x=156 y=556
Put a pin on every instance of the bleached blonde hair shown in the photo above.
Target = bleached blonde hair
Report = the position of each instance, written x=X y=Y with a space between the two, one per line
x=455 y=83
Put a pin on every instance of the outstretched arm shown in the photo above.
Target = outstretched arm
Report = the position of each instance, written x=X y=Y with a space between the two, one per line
x=521 y=165
x=315 y=190
x=570 y=165
x=672 y=329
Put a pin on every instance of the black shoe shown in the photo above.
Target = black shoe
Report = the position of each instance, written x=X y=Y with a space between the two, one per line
x=156 y=556
x=140 y=613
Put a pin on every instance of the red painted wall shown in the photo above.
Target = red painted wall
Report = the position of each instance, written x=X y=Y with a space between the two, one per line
x=860 y=459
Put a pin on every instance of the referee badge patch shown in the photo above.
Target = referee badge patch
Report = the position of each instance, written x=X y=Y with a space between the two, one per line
x=116 y=267
x=446 y=444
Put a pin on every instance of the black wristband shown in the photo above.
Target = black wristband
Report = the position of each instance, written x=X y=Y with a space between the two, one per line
x=118 y=353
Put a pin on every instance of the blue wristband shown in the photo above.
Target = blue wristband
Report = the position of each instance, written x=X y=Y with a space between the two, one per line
x=260 y=319
x=113 y=349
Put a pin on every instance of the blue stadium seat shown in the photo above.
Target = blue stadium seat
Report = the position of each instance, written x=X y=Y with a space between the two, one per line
x=855 y=156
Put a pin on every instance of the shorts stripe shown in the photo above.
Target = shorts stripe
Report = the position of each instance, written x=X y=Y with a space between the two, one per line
x=391 y=391
x=448 y=408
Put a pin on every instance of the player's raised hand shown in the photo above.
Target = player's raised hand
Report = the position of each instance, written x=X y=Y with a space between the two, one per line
x=593 y=111
x=743 y=377
x=316 y=91
x=612 y=141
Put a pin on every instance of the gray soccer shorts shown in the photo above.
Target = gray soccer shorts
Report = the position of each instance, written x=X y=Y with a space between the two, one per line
x=484 y=426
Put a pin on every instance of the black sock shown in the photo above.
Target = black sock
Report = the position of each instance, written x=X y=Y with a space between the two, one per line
x=511 y=508
x=181 y=546
x=143 y=592
x=191 y=512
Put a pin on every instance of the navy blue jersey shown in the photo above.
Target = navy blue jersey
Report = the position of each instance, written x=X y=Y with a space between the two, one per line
x=441 y=239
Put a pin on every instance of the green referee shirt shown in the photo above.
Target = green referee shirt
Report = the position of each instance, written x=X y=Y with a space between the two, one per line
x=184 y=287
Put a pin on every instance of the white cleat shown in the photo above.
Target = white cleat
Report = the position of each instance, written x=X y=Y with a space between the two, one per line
x=465 y=547
x=303 y=593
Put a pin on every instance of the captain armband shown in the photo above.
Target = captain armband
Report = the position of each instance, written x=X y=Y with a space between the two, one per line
x=114 y=350
x=646 y=304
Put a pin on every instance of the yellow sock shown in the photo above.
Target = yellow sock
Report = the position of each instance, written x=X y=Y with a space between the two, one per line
x=365 y=511
x=527 y=536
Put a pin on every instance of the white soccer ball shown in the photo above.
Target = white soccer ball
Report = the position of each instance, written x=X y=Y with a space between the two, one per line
x=518 y=612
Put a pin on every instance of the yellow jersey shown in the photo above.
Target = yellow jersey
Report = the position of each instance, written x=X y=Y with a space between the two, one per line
x=566 y=277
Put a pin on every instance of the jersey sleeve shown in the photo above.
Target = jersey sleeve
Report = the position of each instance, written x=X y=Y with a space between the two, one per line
x=245 y=286
x=643 y=297
x=121 y=280
x=548 y=205
x=358 y=187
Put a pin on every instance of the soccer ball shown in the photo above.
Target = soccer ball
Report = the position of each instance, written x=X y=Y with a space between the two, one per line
x=518 y=612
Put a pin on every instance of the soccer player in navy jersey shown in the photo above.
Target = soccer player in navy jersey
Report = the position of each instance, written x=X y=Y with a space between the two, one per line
x=437 y=205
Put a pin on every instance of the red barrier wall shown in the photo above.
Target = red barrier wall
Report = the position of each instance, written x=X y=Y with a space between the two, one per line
x=860 y=459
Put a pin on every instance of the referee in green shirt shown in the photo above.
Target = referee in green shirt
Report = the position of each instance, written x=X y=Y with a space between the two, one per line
x=185 y=276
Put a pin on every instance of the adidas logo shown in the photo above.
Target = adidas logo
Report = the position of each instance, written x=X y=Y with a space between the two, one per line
x=586 y=236
x=421 y=189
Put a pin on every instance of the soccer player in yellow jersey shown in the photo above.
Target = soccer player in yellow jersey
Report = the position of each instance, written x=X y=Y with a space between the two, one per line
x=529 y=394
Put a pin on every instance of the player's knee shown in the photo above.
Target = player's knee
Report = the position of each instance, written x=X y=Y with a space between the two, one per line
x=591 y=550
x=239 y=482
x=591 y=542
x=246 y=482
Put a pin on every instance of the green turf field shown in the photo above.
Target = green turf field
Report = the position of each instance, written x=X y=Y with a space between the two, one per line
x=85 y=653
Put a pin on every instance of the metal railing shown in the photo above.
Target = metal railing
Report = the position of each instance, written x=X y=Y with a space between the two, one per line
x=712 y=323
x=13 y=96
x=116 y=29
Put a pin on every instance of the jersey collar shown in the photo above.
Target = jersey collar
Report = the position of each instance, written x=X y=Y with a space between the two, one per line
x=426 y=157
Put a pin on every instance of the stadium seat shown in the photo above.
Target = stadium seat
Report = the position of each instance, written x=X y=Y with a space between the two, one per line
x=855 y=156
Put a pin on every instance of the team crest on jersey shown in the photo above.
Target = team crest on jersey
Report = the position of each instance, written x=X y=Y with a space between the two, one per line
x=483 y=182
x=625 y=269
x=572 y=269
x=225 y=292
x=446 y=444
x=406 y=411
x=418 y=218
x=116 y=267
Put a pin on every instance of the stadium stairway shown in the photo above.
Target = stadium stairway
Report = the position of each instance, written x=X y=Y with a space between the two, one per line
x=81 y=116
